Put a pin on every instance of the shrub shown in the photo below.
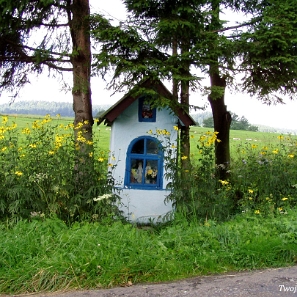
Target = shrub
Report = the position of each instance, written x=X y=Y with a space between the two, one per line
x=38 y=176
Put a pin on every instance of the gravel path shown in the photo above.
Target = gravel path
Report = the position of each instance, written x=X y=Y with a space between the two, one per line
x=260 y=283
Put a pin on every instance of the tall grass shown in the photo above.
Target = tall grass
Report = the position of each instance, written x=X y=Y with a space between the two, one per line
x=47 y=255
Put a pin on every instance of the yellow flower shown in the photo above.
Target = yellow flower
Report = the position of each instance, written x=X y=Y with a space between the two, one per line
x=89 y=142
x=257 y=211
x=285 y=198
x=275 y=151
x=192 y=136
x=78 y=126
x=35 y=125
x=224 y=182
x=14 y=125
x=254 y=146
x=18 y=173
x=291 y=156
x=150 y=171
x=251 y=191
x=58 y=115
x=51 y=152
x=150 y=131
x=4 y=120
x=100 y=159
x=4 y=149
x=280 y=137
x=91 y=154
x=184 y=157
x=26 y=131
x=32 y=145
x=175 y=128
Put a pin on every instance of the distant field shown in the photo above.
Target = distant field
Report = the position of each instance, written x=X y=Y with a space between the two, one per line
x=102 y=133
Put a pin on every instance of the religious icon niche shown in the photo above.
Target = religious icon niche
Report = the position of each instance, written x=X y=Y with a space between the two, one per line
x=146 y=113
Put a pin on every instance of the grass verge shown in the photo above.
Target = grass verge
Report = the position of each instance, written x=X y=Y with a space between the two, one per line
x=49 y=256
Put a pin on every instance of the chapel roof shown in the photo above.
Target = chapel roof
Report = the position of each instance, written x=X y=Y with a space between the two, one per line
x=114 y=111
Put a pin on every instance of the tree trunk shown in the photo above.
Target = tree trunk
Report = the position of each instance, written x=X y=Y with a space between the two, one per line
x=222 y=122
x=81 y=60
x=174 y=81
x=221 y=117
x=185 y=101
x=185 y=131
x=82 y=104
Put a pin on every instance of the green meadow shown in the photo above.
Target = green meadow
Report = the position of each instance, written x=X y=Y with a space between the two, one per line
x=102 y=133
x=58 y=235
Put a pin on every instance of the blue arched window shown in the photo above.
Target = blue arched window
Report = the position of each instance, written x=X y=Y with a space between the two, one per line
x=144 y=164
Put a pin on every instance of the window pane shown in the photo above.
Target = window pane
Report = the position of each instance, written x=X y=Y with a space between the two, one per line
x=136 y=171
x=151 y=172
x=151 y=147
x=138 y=147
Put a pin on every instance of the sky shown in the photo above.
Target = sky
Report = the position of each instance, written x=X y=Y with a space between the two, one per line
x=47 y=89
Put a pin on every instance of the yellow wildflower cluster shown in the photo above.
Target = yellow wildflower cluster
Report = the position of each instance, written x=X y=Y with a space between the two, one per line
x=58 y=141
x=79 y=125
x=5 y=128
x=162 y=132
x=209 y=138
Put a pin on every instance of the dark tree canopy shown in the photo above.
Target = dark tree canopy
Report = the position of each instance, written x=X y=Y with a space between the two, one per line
x=259 y=48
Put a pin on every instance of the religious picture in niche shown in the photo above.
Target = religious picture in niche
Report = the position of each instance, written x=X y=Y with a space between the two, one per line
x=144 y=175
x=147 y=112
x=151 y=172
x=136 y=171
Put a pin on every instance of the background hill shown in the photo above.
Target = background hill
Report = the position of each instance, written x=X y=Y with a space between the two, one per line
x=65 y=109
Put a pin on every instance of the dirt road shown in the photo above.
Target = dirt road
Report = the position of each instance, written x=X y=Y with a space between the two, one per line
x=260 y=283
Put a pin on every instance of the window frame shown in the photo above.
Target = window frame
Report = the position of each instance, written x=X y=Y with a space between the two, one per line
x=145 y=157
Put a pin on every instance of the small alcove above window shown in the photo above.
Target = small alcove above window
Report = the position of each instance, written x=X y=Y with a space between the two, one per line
x=144 y=163
x=145 y=112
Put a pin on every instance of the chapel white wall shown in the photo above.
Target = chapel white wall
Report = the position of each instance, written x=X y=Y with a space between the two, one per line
x=139 y=204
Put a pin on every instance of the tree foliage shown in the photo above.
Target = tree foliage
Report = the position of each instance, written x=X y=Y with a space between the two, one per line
x=260 y=48
x=52 y=34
